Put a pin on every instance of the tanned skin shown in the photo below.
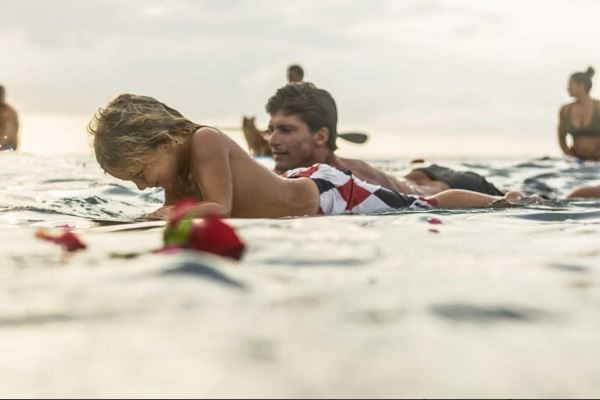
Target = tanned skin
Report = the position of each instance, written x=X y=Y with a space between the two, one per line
x=293 y=146
x=9 y=125
x=232 y=184
x=581 y=111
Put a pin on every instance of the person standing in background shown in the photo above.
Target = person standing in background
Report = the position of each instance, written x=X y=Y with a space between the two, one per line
x=9 y=124
x=295 y=74
x=580 y=119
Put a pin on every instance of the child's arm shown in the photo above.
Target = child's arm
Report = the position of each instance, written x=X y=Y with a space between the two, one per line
x=202 y=209
x=209 y=156
x=211 y=168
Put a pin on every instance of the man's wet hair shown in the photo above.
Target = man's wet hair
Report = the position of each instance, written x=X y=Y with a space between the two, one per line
x=584 y=78
x=2 y=92
x=316 y=107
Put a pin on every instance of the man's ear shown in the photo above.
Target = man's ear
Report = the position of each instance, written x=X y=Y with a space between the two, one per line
x=321 y=136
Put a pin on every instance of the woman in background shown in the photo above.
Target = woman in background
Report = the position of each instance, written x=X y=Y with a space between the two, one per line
x=9 y=124
x=580 y=119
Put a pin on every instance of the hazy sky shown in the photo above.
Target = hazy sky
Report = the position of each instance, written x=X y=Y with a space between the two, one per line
x=412 y=72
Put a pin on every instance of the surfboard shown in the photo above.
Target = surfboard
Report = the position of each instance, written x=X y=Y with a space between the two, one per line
x=127 y=226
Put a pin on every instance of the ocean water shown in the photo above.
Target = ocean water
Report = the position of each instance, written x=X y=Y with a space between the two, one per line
x=489 y=301
x=45 y=190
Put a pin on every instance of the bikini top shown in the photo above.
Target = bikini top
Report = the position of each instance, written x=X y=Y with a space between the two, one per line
x=593 y=128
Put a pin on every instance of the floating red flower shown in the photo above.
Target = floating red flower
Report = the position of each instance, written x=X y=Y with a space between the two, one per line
x=210 y=234
x=213 y=235
x=67 y=239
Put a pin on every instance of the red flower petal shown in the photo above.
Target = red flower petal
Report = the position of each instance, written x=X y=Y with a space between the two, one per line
x=68 y=240
x=213 y=235
x=180 y=210
x=168 y=250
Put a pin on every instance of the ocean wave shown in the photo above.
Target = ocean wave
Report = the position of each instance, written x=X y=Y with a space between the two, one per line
x=46 y=187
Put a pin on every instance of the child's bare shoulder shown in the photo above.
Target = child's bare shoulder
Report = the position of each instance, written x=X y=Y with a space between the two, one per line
x=207 y=140
x=206 y=133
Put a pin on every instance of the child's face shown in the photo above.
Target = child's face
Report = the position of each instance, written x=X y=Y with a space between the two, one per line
x=159 y=169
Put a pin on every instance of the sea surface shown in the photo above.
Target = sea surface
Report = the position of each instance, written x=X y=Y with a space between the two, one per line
x=45 y=191
x=484 y=303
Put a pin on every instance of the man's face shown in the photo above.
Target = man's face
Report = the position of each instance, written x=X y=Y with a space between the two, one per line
x=291 y=142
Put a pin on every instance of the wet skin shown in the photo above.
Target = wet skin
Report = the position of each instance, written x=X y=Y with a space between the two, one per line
x=293 y=146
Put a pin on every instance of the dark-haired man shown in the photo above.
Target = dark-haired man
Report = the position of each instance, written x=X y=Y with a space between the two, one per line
x=303 y=131
x=9 y=124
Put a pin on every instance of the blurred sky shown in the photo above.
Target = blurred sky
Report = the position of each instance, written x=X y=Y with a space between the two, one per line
x=423 y=77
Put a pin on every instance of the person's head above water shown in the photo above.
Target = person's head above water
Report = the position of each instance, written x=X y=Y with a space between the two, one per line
x=136 y=137
x=580 y=83
x=295 y=74
x=303 y=125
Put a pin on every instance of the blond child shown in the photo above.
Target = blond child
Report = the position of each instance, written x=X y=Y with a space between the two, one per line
x=139 y=139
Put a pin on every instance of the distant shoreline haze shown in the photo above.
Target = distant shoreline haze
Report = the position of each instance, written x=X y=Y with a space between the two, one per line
x=423 y=77
x=47 y=134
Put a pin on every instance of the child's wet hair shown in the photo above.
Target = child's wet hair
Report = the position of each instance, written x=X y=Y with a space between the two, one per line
x=131 y=127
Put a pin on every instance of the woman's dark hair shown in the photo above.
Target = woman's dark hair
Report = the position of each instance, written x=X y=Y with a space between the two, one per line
x=312 y=105
x=584 y=78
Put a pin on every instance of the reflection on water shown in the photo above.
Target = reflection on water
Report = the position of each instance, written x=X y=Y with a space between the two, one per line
x=37 y=189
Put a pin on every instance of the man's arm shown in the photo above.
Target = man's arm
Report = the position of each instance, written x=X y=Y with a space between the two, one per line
x=370 y=174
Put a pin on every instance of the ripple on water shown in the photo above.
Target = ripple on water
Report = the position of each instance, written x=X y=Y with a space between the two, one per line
x=76 y=186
